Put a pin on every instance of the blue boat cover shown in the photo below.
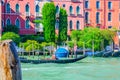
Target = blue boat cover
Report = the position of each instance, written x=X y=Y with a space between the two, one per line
x=61 y=53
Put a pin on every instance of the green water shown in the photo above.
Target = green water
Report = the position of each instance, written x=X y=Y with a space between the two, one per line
x=86 y=69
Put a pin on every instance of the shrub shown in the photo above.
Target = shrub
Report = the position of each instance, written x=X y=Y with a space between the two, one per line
x=11 y=35
x=11 y=28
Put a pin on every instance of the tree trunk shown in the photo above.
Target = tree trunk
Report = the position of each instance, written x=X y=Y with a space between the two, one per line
x=10 y=68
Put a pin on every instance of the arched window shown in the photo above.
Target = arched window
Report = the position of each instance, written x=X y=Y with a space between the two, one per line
x=70 y=25
x=78 y=10
x=17 y=7
x=86 y=17
x=8 y=22
x=109 y=16
x=86 y=4
x=109 y=5
x=27 y=8
x=27 y=24
x=2 y=2
x=97 y=17
x=8 y=8
x=17 y=23
x=77 y=25
x=57 y=9
x=71 y=10
x=37 y=8
x=98 y=4
x=2 y=23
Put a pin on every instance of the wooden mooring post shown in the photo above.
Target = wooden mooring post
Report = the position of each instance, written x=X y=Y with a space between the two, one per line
x=10 y=68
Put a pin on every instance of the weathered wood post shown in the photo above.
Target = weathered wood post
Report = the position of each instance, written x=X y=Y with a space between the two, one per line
x=10 y=68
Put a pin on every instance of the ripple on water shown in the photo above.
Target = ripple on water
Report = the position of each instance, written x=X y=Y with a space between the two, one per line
x=86 y=69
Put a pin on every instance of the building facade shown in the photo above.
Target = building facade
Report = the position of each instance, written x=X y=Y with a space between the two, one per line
x=104 y=14
x=75 y=13
x=20 y=13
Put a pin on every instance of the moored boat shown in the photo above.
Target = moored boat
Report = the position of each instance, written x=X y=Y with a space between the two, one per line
x=62 y=61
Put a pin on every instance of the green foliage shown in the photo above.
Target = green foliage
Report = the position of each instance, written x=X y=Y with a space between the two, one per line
x=11 y=28
x=92 y=36
x=70 y=44
x=48 y=19
x=63 y=25
x=37 y=38
x=31 y=45
x=75 y=35
x=10 y=35
x=37 y=21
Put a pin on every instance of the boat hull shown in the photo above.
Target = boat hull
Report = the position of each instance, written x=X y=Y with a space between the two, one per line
x=52 y=61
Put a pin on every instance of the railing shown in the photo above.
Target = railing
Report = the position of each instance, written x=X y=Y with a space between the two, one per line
x=75 y=0
x=40 y=29
x=27 y=13
x=57 y=15
x=37 y=14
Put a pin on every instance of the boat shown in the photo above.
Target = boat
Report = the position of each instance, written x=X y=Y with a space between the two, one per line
x=62 y=61
x=116 y=54
x=99 y=54
x=107 y=53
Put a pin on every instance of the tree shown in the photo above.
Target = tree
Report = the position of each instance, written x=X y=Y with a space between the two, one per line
x=75 y=35
x=10 y=35
x=93 y=36
x=11 y=28
x=48 y=20
x=63 y=25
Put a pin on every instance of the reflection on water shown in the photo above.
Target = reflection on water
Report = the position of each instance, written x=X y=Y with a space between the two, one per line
x=86 y=69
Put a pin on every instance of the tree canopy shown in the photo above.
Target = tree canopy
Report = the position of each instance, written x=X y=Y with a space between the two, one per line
x=10 y=35
x=48 y=20
x=62 y=25
x=90 y=36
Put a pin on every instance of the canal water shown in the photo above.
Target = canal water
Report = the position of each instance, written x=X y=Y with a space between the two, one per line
x=86 y=69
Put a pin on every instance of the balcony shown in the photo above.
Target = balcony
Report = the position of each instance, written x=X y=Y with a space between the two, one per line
x=75 y=1
x=27 y=14
x=39 y=28
x=57 y=16
x=37 y=14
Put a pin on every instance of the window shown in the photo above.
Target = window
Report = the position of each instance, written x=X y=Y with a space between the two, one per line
x=2 y=23
x=57 y=24
x=27 y=24
x=97 y=17
x=8 y=8
x=57 y=9
x=98 y=4
x=78 y=25
x=86 y=17
x=17 y=23
x=17 y=7
x=109 y=27
x=109 y=5
x=70 y=25
x=2 y=2
x=27 y=8
x=63 y=5
x=37 y=8
x=71 y=10
x=86 y=4
x=109 y=16
x=78 y=10
x=8 y=22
